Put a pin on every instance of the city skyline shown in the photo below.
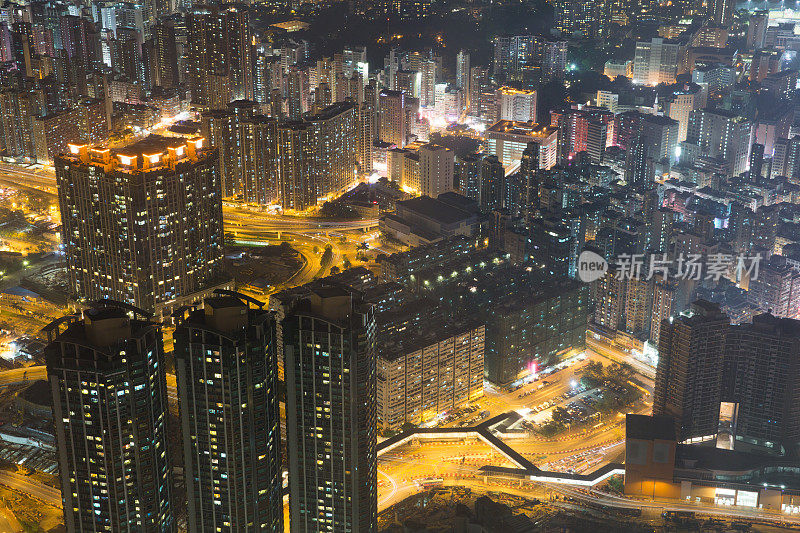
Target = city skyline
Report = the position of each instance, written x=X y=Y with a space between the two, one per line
x=395 y=266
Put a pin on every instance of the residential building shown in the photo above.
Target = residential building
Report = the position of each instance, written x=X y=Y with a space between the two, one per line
x=107 y=377
x=227 y=375
x=508 y=139
x=392 y=117
x=421 y=377
x=516 y=105
x=142 y=223
x=328 y=337
x=219 y=54
x=656 y=61
x=689 y=377
x=436 y=168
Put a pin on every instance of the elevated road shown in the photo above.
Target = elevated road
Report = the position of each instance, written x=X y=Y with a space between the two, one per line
x=15 y=175
x=235 y=216
x=19 y=376
x=658 y=506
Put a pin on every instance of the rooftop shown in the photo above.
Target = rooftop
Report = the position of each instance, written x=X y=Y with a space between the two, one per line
x=515 y=127
x=290 y=25
x=329 y=112
x=512 y=90
x=728 y=462
x=434 y=209
x=659 y=120
x=223 y=302
x=152 y=144
x=154 y=152
x=644 y=427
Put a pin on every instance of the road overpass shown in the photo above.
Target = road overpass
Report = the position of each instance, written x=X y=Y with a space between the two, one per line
x=256 y=221
x=235 y=216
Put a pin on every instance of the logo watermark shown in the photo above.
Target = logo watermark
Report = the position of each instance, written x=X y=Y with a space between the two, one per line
x=592 y=266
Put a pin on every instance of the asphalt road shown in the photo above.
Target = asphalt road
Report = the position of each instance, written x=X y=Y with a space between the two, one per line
x=40 y=491
x=9 y=522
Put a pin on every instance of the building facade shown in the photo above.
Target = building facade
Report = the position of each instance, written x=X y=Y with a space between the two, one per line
x=107 y=377
x=507 y=140
x=690 y=371
x=329 y=355
x=227 y=374
x=142 y=224
x=418 y=382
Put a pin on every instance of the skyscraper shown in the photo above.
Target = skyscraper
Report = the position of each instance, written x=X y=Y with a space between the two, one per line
x=481 y=94
x=719 y=134
x=663 y=306
x=367 y=114
x=756 y=160
x=468 y=175
x=652 y=148
x=127 y=56
x=107 y=377
x=757 y=29
x=296 y=93
x=763 y=384
x=17 y=109
x=656 y=61
x=508 y=140
x=690 y=370
x=142 y=224
x=436 y=167
x=427 y=83
x=163 y=56
x=737 y=386
x=219 y=57
x=591 y=19
x=681 y=104
x=463 y=71
x=392 y=117
x=522 y=57
x=259 y=136
x=491 y=176
x=330 y=364
x=574 y=133
x=227 y=374
x=224 y=130
x=335 y=138
x=515 y=104
x=722 y=11
x=267 y=76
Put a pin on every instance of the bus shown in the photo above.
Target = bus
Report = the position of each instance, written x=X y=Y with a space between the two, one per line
x=429 y=483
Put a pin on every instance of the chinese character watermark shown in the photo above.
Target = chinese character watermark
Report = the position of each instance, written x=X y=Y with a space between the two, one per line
x=687 y=266
x=592 y=266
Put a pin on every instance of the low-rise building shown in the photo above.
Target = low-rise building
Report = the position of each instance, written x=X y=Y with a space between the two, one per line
x=657 y=466
x=424 y=220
